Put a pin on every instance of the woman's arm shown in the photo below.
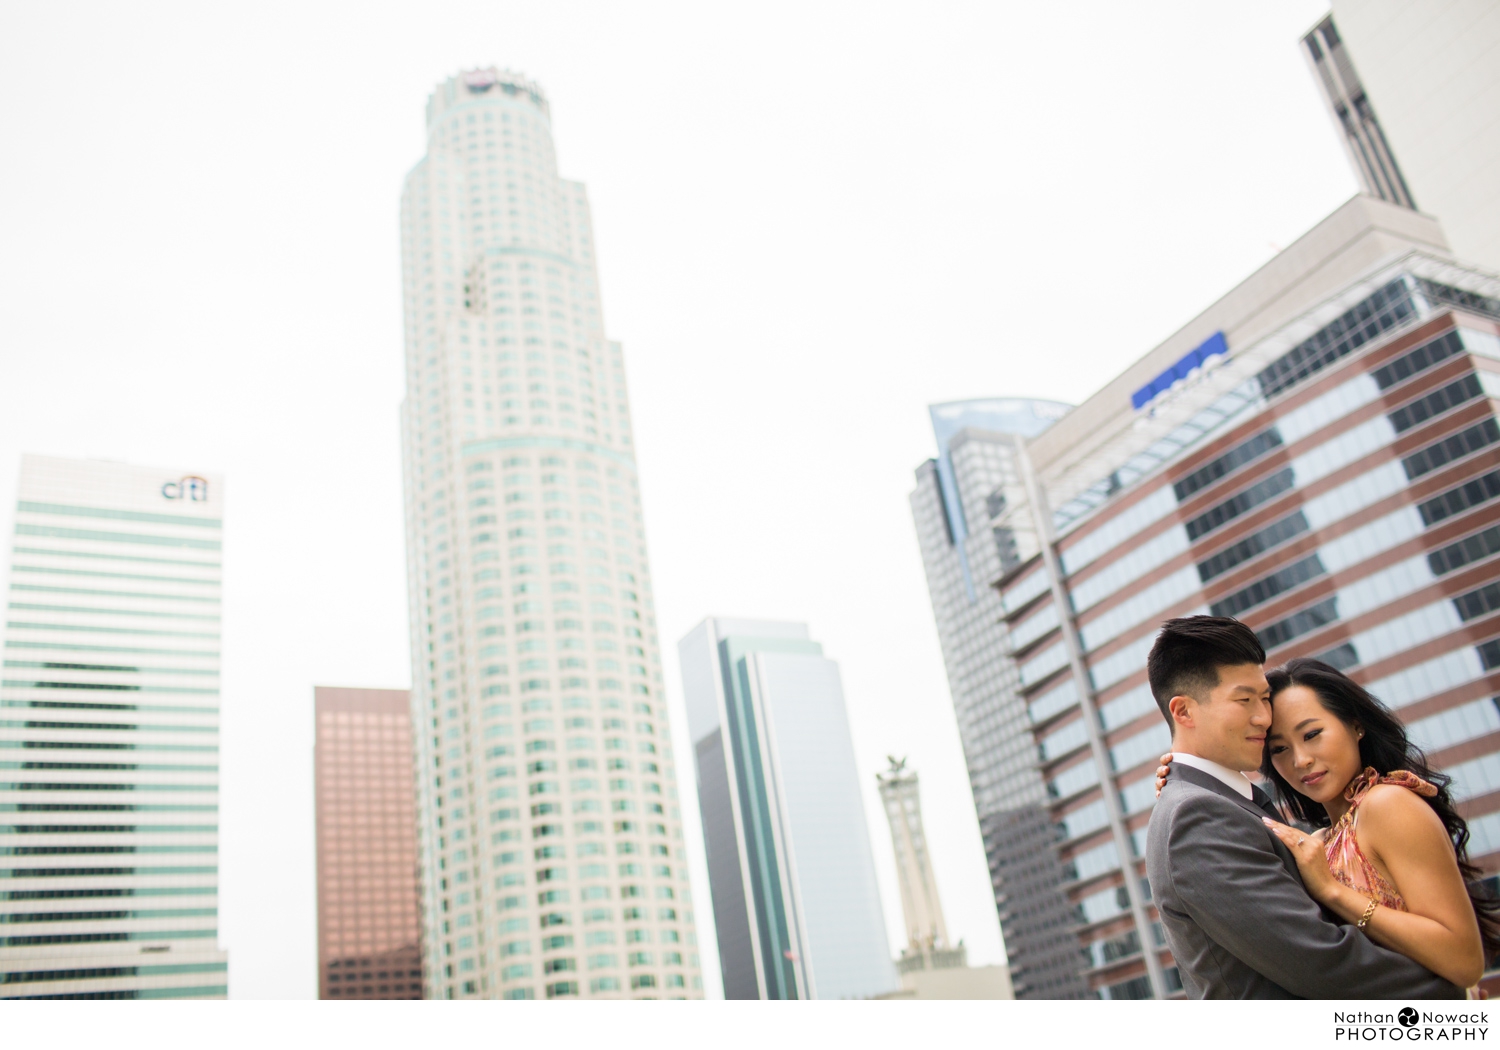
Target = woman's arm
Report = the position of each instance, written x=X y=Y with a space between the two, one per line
x=1401 y=833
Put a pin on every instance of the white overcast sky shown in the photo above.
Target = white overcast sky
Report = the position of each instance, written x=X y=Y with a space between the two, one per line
x=813 y=220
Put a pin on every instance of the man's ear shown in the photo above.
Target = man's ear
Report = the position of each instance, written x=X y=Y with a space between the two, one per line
x=1183 y=708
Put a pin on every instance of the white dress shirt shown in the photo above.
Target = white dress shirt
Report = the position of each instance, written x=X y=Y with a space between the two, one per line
x=1234 y=779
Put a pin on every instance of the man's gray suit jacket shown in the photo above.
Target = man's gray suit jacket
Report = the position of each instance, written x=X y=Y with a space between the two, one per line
x=1237 y=917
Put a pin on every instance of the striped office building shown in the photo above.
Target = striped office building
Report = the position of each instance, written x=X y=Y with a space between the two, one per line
x=109 y=747
x=1317 y=454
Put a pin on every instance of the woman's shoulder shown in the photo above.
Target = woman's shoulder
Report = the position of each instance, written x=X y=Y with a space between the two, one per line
x=1393 y=798
x=1397 y=811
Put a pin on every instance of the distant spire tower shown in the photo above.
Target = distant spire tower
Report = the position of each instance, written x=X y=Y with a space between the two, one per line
x=925 y=928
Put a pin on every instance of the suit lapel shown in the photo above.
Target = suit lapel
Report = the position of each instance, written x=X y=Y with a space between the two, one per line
x=1213 y=783
x=1207 y=781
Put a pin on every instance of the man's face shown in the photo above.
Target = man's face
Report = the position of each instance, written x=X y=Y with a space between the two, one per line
x=1228 y=727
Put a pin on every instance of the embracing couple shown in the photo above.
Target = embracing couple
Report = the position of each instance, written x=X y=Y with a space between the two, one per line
x=1366 y=894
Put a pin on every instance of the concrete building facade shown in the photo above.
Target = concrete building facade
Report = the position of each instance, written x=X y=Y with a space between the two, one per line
x=552 y=852
x=369 y=900
x=109 y=737
x=796 y=905
x=1315 y=454
x=1414 y=90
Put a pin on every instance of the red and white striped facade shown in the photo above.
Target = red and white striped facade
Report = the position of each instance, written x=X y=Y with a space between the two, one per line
x=1333 y=481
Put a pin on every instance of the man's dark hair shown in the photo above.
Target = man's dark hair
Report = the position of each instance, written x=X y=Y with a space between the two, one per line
x=1187 y=655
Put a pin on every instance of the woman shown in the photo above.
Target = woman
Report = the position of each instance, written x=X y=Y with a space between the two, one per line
x=1389 y=854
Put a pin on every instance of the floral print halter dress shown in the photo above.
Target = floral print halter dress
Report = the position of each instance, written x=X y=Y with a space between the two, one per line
x=1346 y=860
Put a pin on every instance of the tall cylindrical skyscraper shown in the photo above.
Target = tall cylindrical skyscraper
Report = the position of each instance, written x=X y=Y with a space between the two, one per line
x=552 y=852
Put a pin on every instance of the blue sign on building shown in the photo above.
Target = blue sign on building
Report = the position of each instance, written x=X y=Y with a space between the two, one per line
x=1214 y=345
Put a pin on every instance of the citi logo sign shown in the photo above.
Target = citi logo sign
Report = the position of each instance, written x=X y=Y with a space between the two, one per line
x=191 y=488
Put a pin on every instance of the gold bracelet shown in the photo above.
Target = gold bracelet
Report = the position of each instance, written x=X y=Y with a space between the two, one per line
x=1364 y=920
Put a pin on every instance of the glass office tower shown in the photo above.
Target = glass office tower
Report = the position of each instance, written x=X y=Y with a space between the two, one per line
x=796 y=905
x=552 y=852
x=957 y=505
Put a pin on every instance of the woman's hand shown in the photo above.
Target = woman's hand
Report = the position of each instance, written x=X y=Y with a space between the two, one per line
x=1312 y=859
x=1162 y=771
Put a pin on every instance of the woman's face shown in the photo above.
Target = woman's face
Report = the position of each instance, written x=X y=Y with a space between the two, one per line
x=1315 y=753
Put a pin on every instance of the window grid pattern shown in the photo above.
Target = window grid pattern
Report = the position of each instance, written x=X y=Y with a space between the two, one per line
x=1455 y=446
x=1436 y=403
x=1460 y=498
x=1470 y=549
x=1240 y=503
x=109 y=827
x=1267 y=587
x=1247 y=451
x=538 y=706
x=1376 y=583
x=1385 y=309
x=1253 y=545
x=1414 y=362
x=369 y=907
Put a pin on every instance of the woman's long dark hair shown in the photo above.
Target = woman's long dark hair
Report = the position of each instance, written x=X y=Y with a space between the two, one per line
x=1384 y=746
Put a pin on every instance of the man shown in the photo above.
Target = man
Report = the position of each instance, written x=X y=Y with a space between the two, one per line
x=1230 y=898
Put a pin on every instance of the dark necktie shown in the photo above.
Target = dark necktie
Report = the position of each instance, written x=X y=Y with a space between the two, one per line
x=1263 y=801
